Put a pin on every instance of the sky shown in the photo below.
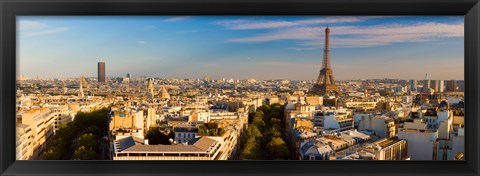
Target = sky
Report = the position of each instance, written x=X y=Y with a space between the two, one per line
x=241 y=47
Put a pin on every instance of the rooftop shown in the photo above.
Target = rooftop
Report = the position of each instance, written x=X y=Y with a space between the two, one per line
x=184 y=128
x=201 y=145
x=387 y=142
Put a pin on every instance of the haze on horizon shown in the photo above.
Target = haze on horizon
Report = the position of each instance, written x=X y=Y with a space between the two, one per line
x=241 y=47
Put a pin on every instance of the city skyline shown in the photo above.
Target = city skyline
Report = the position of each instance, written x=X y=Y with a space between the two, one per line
x=241 y=47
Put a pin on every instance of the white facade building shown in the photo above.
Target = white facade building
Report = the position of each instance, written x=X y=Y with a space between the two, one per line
x=384 y=127
x=183 y=134
x=420 y=142
x=337 y=122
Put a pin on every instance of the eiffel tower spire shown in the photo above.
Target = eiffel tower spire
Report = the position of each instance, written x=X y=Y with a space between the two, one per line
x=325 y=81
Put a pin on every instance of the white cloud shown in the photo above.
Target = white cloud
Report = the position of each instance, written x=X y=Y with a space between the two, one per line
x=283 y=35
x=303 y=48
x=34 y=28
x=270 y=24
x=46 y=31
x=247 y=24
x=355 y=36
x=31 y=25
x=142 y=42
x=177 y=18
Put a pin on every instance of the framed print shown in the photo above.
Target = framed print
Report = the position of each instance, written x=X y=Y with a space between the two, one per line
x=252 y=87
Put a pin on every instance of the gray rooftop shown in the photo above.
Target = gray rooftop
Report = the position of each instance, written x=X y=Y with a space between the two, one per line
x=201 y=145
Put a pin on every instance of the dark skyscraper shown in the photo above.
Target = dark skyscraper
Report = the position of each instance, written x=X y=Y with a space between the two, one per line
x=325 y=82
x=426 y=83
x=451 y=86
x=434 y=85
x=101 y=71
x=413 y=85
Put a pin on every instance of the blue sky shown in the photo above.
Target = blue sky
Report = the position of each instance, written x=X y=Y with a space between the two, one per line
x=241 y=47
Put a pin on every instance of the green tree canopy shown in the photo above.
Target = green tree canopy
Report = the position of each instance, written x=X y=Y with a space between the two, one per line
x=155 y=136
x=275 y=131
x=266 y=124
x=252 y=131
x=275 y=121
x=85 y=126
x=259 y=114
x=52 y=154
x=83 y=153
x=278 y=149
x=210 y=129
x=88 y=141
x=251 y=150
x=259 y=123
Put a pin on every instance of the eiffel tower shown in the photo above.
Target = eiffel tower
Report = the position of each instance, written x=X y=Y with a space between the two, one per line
x=325 y=82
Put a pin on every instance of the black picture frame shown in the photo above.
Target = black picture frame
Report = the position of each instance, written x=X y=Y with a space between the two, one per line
x=9 y=9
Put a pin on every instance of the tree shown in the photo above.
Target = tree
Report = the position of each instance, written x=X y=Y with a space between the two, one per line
x=203 y=130
x=155 y=136
x=277 y=149
x=266 y=110
x=82 y=153
x=275 y=121
x=250 y=117
x=93 y=130
x=275 y=114
x=211 y=125
x=257 y=121
x=275 y=131
x=251 y=150
x=88 y=141
x=210 y=129
x=252 y=131
x=267 y=124
x=52 y=154
x=171 y=135
x=89 y=127
x=259 y=114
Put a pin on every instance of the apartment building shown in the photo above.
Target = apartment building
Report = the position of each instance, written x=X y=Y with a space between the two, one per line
x=41 y=122
x=203 y=148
